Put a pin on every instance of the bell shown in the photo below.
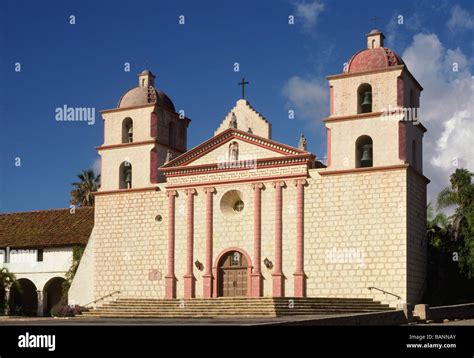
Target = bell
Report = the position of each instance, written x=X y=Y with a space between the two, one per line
x=367 y=102
x=366 y=159
x=130 y=134
x=128 y=179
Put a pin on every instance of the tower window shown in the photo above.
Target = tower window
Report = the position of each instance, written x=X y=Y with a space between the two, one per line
x=125 y=180
x=127 y=130
x=373 y=43
x=39 y=255
x=364 y=152
x=364 y=98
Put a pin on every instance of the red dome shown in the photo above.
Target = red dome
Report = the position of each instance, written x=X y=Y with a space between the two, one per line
x=373 y=59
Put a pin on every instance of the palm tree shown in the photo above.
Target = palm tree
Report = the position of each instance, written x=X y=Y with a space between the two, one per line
x=460 y=194
x=81 y=195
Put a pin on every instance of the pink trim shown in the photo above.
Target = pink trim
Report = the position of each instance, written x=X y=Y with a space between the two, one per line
x=189 y=280
x=125 y=145
x=153 y=125
x=153 y=166
x=207 y=277
x=256 y=276
x=216 y=269
x=285 y=161
x=400 y=91
x=331 y=100
x=278 y=283
x=170 y=279
x=250 y=180
x=402 y=141
x=328 y=154
x=299 y=275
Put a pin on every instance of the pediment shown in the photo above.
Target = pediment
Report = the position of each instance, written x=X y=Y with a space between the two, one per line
x=223 y=147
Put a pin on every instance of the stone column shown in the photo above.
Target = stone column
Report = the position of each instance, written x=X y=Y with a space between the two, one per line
x=207 y=277
x=256 y=275
x=170 y=279
x=299 y=275
x=189 y=286
x=278 y=278
x=39 y=309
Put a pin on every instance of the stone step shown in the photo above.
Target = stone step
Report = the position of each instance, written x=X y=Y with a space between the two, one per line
x=245 y=299
x=187 y=311
x=234 y=307
x=256 y=303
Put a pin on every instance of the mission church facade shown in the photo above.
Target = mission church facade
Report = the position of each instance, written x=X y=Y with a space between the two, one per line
x=244 y=215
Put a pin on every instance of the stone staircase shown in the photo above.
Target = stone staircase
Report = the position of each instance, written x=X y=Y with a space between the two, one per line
x=234 y=307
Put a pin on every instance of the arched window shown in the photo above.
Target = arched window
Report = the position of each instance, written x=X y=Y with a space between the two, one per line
x=171 y=135
x=364 y=98
x=364 y=154
x=127 y=130
x=413 y=154
x=233 y=151
x=125 y=179
x=373 y=43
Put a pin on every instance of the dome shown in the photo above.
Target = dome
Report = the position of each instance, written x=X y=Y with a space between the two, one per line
x=373 y=59
x=140 y=96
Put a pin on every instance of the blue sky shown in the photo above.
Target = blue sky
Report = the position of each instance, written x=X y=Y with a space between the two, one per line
x=82 y=65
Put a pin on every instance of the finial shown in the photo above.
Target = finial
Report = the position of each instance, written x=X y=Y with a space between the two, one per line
x=303 y=143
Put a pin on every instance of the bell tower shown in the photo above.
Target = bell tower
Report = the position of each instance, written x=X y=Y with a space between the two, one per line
x=140 y=135
x=373 y=119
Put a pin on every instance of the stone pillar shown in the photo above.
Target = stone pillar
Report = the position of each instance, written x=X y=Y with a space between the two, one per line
x=256 y=275
x=40 y=309
x=170 y=279
x=299 y=275
x=277 y=275
x=189 y=280
x=207 y=277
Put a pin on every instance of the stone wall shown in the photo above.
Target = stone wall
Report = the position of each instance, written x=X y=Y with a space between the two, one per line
x=356 y=233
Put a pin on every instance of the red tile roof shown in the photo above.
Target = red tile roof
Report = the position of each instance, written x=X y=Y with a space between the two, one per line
x=46 y=228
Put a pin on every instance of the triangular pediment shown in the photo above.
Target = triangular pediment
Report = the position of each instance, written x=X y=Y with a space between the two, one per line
x=230 y=143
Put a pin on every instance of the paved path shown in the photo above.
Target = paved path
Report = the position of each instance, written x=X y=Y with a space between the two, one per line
x=463 y=322
x=48 y=321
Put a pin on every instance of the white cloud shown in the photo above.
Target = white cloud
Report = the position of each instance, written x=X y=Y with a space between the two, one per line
x=446 y=107
x=308 y=97
x=460 y=19
x=96 y=166
x=308 y=12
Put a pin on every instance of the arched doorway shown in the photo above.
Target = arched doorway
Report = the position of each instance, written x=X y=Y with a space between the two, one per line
x=23 y=298
x=52 y=294
x=233 y=271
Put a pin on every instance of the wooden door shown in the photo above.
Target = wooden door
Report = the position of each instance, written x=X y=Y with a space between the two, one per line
x=233 y=275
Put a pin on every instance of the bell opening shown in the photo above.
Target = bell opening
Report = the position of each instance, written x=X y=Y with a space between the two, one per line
x=364 y=154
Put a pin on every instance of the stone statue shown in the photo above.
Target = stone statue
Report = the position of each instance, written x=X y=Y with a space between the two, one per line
x=303 y=143
x=234 y=151
x=169 y=156
x=233 y=121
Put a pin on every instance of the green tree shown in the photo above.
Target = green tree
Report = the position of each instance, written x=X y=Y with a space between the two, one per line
x=81 y=195
x=6 y=280
x=460 y=195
